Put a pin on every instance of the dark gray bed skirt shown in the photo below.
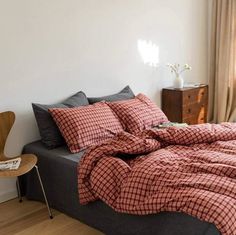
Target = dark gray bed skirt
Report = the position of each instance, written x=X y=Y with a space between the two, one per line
x=58 y=170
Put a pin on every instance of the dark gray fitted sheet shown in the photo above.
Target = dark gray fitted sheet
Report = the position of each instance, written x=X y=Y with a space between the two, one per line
x=58 y=168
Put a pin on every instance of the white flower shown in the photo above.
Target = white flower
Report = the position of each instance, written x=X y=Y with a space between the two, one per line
x=186 y=66
x=177 y=69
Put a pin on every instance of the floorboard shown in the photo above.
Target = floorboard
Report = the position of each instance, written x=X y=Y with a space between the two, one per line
x=30 y=217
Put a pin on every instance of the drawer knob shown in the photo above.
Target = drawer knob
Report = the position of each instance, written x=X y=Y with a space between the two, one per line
x=189 y=110
x=202 y=93
x=189 y=96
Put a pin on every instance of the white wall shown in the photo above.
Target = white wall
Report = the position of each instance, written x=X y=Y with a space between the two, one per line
x=53 y=48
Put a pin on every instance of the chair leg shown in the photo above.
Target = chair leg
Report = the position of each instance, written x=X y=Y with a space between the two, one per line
x=44 y=194
x=18 y=189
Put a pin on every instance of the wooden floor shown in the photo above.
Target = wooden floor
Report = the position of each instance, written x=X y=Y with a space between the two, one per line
x=31 y=218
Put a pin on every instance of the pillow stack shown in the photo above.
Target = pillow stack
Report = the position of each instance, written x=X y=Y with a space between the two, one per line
x=84 y=122
x=49 y=132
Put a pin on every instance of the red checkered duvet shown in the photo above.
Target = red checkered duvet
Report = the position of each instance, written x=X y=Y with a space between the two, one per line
x=191 y=170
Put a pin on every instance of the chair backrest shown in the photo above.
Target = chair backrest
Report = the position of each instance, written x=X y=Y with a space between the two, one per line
x=7 y=120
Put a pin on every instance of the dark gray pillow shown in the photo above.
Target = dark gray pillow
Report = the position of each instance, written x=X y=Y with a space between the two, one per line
x=50 y=134
x=125 y=94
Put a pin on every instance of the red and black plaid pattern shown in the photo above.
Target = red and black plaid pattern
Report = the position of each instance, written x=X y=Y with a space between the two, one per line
x=138 y=114
x=85 y=126
x=196 y=176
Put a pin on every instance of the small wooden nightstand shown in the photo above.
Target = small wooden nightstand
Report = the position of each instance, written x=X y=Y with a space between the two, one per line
x=188 y=105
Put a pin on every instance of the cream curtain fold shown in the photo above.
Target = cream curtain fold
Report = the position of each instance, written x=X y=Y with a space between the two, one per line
x=222 y=68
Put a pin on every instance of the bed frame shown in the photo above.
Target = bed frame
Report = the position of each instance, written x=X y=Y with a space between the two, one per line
x=58 y=168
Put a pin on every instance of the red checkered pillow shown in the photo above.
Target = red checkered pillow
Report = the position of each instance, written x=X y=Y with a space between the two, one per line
x=85 y=126
x=138 y=114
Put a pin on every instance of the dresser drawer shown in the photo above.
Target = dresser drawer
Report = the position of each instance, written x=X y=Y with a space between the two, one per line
x=195 y=119
x=194 y=109
x=198 y=118
x=195 y=96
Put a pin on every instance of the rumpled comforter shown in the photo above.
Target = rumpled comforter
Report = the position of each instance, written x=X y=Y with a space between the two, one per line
x=191 y=170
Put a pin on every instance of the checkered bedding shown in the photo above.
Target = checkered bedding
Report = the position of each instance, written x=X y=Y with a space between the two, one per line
x=138 y=114
x=87 y=125
x=191 y=170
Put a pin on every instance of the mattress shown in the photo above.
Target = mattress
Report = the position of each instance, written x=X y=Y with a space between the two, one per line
x=58 y=168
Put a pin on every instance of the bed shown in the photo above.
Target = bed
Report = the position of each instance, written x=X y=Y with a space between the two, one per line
x=133 y=176
x=62 y=192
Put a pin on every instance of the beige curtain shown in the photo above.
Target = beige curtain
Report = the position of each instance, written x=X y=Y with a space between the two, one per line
x=223 y=61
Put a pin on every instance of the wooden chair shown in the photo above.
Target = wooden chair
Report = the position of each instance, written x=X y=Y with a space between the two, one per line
x=28 y=161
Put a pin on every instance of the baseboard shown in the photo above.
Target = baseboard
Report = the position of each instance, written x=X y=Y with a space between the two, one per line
x=8 y=196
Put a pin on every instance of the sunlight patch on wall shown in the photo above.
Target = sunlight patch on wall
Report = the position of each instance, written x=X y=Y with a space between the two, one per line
x=149 y=52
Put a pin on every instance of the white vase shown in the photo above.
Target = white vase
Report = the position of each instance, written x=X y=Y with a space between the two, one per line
x=179 y=82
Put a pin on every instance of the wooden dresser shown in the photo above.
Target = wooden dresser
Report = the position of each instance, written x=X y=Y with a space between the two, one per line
x=187 y=105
